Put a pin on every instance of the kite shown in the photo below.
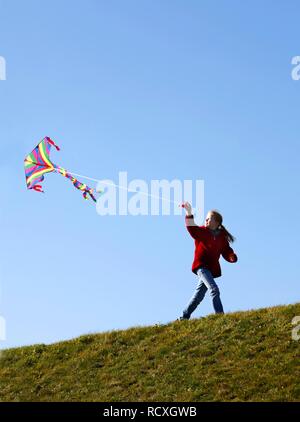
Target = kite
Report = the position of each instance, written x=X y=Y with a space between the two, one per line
x=38 y=163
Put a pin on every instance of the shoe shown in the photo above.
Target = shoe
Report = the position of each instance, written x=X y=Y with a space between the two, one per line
x=183 y=318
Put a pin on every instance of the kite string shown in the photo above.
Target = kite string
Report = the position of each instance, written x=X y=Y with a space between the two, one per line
x=115 y=185
x=128 y=190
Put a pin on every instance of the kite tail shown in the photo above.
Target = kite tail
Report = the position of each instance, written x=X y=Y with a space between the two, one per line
x=86 y=190
x=90 y=192
x=38 y=188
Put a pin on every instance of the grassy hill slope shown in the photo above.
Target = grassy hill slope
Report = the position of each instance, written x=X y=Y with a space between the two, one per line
x=243 y=356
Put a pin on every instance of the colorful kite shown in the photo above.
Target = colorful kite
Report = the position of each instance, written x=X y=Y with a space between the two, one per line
x=38 y=163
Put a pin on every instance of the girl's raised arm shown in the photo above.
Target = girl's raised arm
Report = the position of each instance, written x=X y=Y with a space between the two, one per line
x=192 y=228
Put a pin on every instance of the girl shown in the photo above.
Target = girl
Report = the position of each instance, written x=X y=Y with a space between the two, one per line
x=211 y=241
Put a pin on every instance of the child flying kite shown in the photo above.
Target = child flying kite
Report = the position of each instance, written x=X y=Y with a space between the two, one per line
x=211 y=241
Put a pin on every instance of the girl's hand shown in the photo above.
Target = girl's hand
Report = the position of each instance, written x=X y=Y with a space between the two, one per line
x=233 y=258
x=188 y=208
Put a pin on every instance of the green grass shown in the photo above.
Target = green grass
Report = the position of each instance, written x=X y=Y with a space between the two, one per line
x=243 y=356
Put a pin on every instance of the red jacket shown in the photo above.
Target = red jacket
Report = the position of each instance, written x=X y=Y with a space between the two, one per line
x=208 y=248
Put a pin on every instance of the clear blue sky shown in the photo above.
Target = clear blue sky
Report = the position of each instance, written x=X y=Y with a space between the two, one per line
x=160 y=89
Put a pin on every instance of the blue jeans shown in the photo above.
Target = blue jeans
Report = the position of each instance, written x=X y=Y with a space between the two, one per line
x=205 y=282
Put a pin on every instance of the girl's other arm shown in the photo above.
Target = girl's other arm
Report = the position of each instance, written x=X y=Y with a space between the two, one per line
x=229 y=254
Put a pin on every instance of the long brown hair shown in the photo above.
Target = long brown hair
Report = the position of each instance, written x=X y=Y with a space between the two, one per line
x=218 y=217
